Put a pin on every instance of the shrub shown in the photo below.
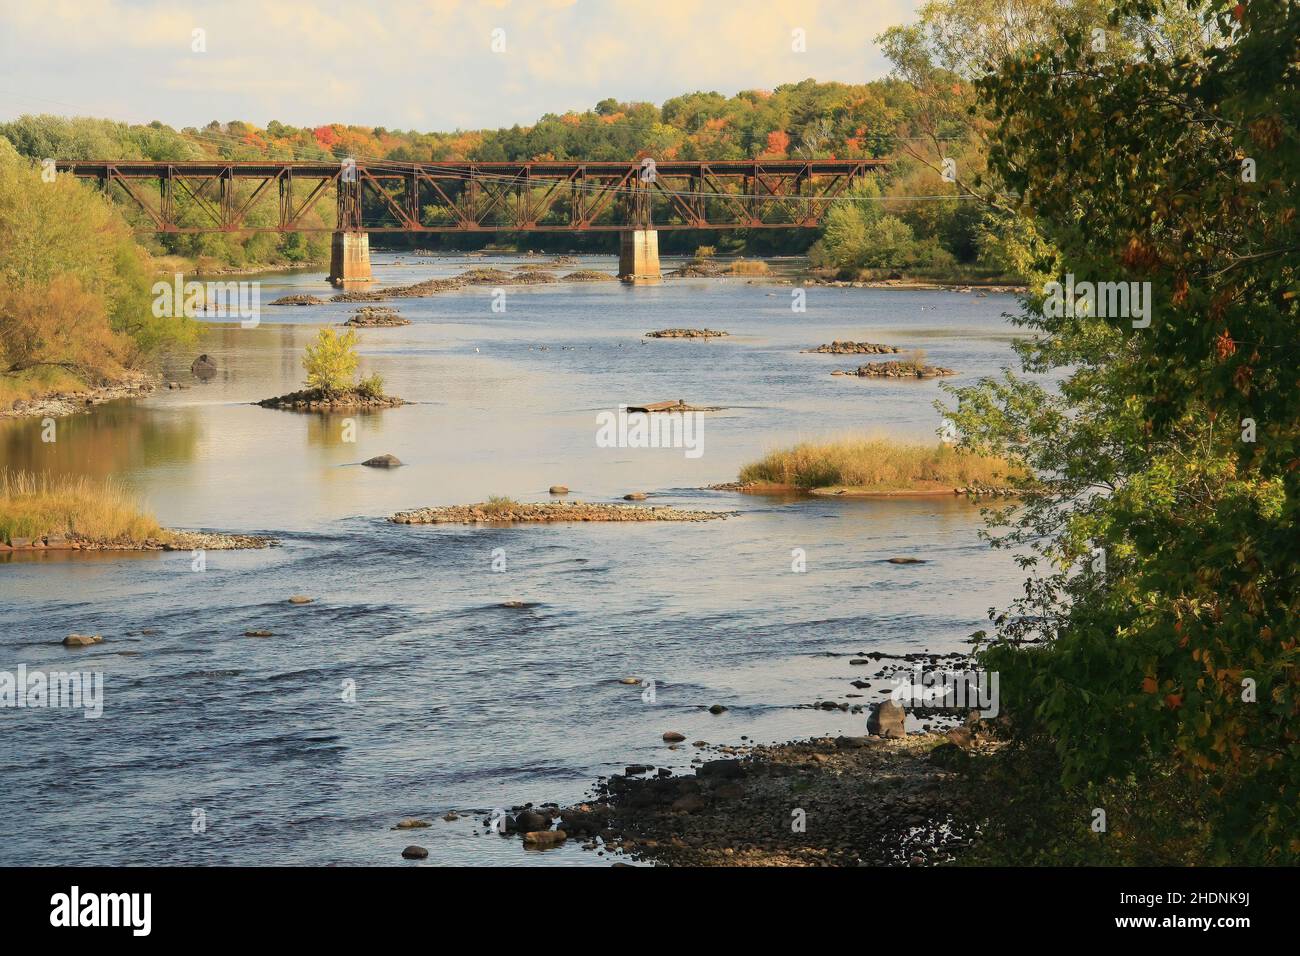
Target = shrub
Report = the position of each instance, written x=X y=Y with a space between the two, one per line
x=372 y=386
x=331 y=362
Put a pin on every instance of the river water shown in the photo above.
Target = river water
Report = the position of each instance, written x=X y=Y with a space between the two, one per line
x=459 y=702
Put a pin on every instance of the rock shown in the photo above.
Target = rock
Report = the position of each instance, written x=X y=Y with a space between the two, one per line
x=635 y=496
x=415 y=852
x=451 y=816
x=559 y=489
x=545 y=838
x=635 y=769
x=859 y=660
x=300 y=599
x=526 y=821
x=961 y=737
x=584 y=821
x=82 y=640
x=699 y=743
x=949 y=757
x=887 y=719
x=721 y=770
x=672 y=736
x=203 y=367
x=717 y=709
x=906 y=561
x=629 y=680
x=690 y=803
x=852 y=743
x=382 y=461
x=412 y=825
x=257 y=634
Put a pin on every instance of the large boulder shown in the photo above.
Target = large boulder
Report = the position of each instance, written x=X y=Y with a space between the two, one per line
x=887 y=719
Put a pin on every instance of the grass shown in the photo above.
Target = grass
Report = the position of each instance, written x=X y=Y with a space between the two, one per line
x=875 y=464
x=749 y=267
x=32 y=505
x=496 y=504
x=37 y=383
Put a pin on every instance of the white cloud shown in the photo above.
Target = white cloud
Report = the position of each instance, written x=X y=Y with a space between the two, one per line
x=422 y=63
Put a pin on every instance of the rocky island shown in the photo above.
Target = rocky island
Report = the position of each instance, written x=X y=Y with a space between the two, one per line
x=685 y=334
x=854 y=348
x=897 y=370
x=508 y=510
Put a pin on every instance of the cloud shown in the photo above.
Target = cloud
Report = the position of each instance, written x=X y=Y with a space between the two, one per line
x=423 y=63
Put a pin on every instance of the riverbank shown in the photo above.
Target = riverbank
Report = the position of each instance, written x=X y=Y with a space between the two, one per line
x=42 y=512
x=69 y=401
x=826 y=801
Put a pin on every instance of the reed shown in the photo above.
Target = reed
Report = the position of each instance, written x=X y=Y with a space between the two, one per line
x=89 y=509
x=876 y=464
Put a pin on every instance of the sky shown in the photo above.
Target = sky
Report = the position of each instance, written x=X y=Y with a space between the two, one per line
x=416 y=64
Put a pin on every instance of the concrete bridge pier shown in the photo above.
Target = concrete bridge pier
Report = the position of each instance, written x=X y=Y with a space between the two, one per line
x=638 y=256
x=350 y=258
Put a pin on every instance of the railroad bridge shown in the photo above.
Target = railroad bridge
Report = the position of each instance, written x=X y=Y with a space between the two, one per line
x=636 y=198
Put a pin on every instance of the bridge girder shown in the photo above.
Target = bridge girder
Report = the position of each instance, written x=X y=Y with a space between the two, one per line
x=197 y=197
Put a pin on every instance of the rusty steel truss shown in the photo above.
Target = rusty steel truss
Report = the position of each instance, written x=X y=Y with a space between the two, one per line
x=188 y=197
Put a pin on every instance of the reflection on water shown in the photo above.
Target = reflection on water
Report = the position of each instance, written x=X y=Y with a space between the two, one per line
x=462 y=702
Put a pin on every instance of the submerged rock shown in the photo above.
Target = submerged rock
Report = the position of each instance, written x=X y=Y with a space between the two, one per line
x=82 y=640
x=383 y=461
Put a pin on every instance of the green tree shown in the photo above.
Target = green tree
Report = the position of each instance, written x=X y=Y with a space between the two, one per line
x=331 y=362
x=1171 y=450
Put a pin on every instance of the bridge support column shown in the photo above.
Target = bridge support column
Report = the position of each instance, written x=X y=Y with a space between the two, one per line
x=638 y=256
x=350 y=258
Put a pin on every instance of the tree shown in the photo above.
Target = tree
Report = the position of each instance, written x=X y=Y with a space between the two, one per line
x=331 y=362
x=1164 y=541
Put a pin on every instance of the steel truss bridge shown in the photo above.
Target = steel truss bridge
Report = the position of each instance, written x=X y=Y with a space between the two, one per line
x=387 y=196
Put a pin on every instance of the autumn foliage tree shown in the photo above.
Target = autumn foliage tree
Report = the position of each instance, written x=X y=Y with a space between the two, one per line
x=1157 y=648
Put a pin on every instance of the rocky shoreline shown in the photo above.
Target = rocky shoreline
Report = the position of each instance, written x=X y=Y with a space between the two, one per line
x=175 y=541
x=550 y=511
x=59 y=404
x=828 y=801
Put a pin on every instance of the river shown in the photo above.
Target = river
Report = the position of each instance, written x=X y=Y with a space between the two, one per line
x=461 y=703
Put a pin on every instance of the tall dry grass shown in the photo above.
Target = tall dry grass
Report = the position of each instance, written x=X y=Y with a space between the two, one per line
x=32 y=505
x=749 y=267
x=876 y=464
